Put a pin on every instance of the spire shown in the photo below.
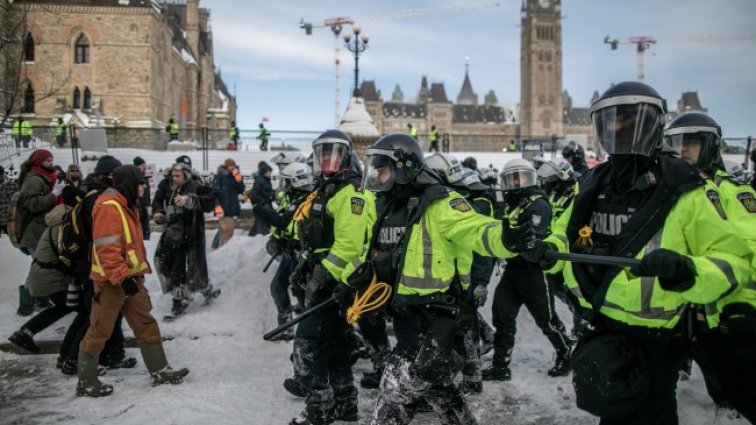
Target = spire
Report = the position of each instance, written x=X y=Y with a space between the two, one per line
x=398 y=95
x=424 y=94
x=466 y=94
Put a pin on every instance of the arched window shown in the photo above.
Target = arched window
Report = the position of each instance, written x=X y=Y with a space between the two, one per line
x=76 y=98
x=81 y=49
x=29 y=48
x=87 y=98
x=29 y=99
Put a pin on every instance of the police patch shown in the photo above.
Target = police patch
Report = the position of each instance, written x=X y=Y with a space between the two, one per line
x=714 y=198
x=460 y=204
x=536 y=220
x=358 y=204
x=746 y=198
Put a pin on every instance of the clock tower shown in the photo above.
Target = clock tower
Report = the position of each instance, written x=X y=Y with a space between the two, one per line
x=541 y=69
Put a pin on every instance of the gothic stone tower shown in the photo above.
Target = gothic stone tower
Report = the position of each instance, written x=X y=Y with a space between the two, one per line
x=541 y=69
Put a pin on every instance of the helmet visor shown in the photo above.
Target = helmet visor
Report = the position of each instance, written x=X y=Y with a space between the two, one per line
x=330 y=159
x=628 y=129
x=696 y=149
x=380 y=171
x=518 y=179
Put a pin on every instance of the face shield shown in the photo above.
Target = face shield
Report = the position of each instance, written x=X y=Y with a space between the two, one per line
x=547 y=174
x=628 y=128
x=330 y=159
x=696 y=145
x=380 y=170
x=518 y=179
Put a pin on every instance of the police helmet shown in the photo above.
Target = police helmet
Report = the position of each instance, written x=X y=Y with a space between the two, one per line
x=331 y=153
x=573 y=150
x=296 y=176
x=537 y=161
x=447 y=167
x=554 y=170
x=487 y=175
x=696 y=137
x=393 y=159
x=735 y=170
x=629 y=119
x=518 y=174
x=471 y=180
x=285 y=158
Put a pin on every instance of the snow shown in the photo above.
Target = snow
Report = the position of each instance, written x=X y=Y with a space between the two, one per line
x=236 y=377
x=357 y=121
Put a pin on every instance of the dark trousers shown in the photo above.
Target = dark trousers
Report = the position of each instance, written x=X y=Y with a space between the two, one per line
x=523 y=283
x=322 y=362
x=400 y=391
x=279 y=288
x=48 y=316
x=433 y=146
x=373 y=330
x=663 y=359
x=732 y=356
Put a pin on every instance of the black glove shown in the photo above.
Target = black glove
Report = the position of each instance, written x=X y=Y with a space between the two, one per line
x=297 y=276
x=675 y=272
x=543 y=254
x=517 y=239
x=361 y=277
x=129 y=286
x=318 y=283
x=345 y=294
x=273 y=246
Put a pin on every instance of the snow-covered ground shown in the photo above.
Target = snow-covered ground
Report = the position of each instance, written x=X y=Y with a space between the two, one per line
x=236 y=377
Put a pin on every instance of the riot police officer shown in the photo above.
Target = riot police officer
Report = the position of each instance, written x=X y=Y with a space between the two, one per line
x=574 y=153
x=656 y=208
x=523 y=282
x=725 y=353
x=337 y=226
x=422 y=228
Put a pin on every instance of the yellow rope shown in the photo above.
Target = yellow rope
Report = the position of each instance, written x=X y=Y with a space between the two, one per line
x=374 y=297
x=303 y=209
x=584 y=239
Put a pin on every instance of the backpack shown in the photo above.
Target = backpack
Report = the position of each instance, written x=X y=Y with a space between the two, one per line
x=14 y=228
x=73 y=241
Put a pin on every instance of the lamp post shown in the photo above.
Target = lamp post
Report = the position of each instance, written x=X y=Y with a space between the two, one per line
x=356 y=46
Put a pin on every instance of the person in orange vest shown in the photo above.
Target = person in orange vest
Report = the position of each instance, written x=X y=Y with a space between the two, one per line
x=119 y=263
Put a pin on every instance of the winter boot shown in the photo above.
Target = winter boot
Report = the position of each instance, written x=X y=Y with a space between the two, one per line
x=179 y=307
x=157 y=365
x=70 y=367
x=117 y=362
x=561 y=365
x=24 y=338
x=347 y=411
x=318 y=411
x=286 y=335
x=25 y=302
x=89 y=385
x=210 y=295
x=295 y=387
x=497 y=373
x=471 y=387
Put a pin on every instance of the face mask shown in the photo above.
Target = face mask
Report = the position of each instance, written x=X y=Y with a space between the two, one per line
x=628 y=167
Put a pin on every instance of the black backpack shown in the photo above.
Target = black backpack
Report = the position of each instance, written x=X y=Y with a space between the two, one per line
x=73 y=240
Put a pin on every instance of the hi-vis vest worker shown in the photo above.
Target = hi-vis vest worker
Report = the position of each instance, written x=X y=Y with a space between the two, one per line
x=654 y=207
x=697 y=138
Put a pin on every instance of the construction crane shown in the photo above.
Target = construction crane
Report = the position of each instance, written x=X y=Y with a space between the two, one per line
x=337 y=25
x=644 y=43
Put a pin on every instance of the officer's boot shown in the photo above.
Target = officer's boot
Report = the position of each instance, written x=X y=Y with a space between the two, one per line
x=345 y=408
x=179 y=307
x=295 y=388
x=499 y=369
x=88 y=384
x=288 y=334
x=160 y=373
x=319 y=410
x=210 y=295
x=456 y=412
x=561 y=365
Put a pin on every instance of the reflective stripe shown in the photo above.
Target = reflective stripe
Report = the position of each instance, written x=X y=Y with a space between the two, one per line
x=427 y=249
x=652 y=313
x=647 y=282
x=486 y=242
x=726 y=269
x=336 y=260
x=464 y=279
x=424 y=283
x=125 y=223
x=107 y=239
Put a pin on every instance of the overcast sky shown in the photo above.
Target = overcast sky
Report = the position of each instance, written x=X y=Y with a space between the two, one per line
x=280 y=73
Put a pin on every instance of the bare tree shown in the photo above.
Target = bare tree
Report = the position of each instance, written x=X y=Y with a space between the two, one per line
x=14 y=30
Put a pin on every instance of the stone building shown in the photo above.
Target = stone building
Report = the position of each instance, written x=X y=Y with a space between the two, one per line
x=545 y=112
x=125 y=64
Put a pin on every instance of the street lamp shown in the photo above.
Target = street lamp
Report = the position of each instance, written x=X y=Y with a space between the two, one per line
x=357 y=46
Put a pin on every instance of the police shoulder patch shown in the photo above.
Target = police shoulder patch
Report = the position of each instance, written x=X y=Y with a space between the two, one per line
x=748 y=201
x=713 y=196
x=358 y=205
x=460 y=204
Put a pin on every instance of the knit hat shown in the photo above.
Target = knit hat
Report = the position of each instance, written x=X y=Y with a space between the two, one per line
x=229 y=163
x=73 y=167
x=39 y=156
x=263 y=167
x=138 y=161
x=184 y=159
x=106 y=164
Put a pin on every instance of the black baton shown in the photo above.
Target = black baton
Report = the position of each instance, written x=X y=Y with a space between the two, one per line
x=299 y=318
